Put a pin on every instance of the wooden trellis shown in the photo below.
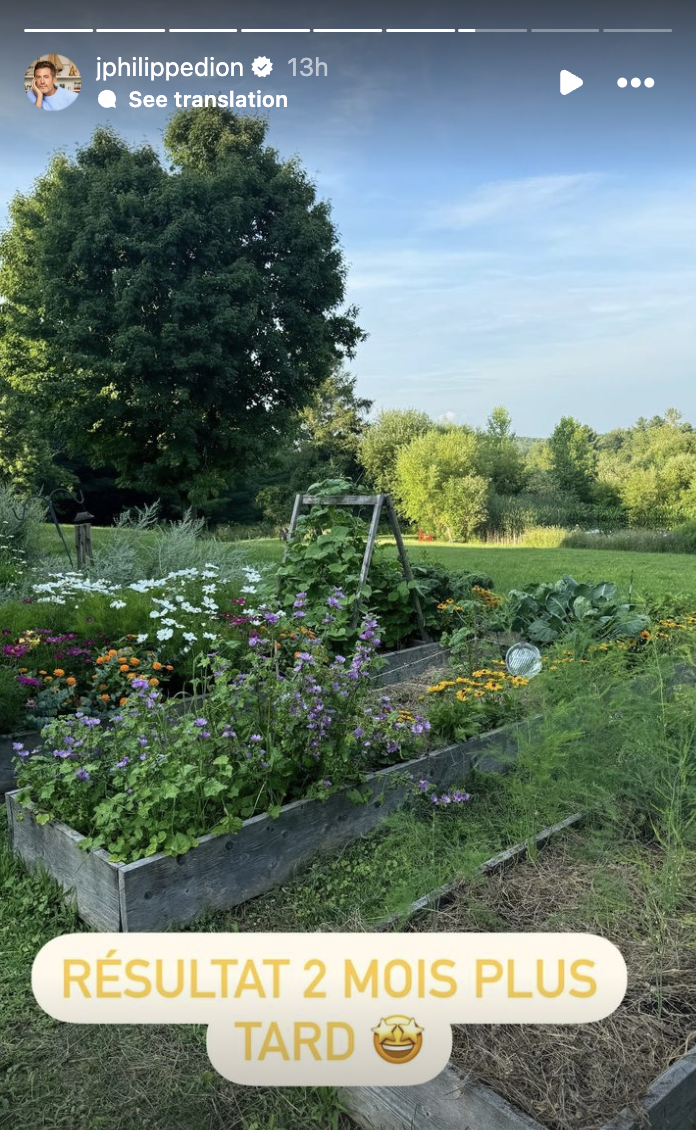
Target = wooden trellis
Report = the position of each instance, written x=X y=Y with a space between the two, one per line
x=378 y=502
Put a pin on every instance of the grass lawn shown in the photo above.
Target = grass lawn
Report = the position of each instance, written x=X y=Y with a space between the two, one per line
x=515 y=567
x=510 y=566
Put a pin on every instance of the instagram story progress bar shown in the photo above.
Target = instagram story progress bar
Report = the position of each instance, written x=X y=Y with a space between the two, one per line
x=349 y=30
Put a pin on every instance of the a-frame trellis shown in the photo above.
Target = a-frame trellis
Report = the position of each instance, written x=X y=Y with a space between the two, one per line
x=378 y=502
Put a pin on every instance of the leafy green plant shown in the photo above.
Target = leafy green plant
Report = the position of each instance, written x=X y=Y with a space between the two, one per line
x=545 y=613
x=13 y=698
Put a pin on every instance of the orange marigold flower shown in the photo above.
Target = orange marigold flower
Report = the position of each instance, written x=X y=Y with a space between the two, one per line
x=130 y=675
x=112 y=651
x=122 y=701
x=156 y=666
x=154 y=682
x=169 y=667
x=106 y=697
x=133 y=661
x=59 y=672
x=99 y=660
x=71 y=680
x=124 y=667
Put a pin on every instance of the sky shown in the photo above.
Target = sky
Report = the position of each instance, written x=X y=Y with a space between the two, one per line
x=505 y=244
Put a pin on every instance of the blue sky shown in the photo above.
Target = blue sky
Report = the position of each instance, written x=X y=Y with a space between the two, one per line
x=505 y=244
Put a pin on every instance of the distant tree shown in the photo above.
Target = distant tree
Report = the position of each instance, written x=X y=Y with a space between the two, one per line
x=390 y=433
x=171 y=323
x=438 y=484
x=572 y=447
x=322 y=445
x=500 y=459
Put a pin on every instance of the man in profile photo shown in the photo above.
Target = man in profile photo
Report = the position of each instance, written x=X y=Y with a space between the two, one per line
x=44 y=93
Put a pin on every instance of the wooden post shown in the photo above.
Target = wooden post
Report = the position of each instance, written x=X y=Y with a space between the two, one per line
x=406 y=566
x=369 y=548
x=83 y=538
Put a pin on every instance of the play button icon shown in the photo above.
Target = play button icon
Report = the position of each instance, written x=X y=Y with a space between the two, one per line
x=569 y=82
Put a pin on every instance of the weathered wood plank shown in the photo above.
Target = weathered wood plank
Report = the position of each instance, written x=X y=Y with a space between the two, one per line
x=224 y=871
x=339 y=499
x=404 y=666
x=87 y=876
x=405 y=565
x=448 y=1102
x=670 y=1103
x=441 y=896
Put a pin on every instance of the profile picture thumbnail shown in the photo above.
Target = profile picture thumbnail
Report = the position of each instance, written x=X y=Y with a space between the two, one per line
x=52 y=82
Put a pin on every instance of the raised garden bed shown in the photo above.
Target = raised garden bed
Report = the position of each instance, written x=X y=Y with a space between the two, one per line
x=400 y=666
x=226 y=870
x=586 y=1078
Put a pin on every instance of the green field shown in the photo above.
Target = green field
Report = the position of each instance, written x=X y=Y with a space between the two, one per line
x=510 y=566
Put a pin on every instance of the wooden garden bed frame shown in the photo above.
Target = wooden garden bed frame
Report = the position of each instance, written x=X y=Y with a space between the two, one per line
x=454 y=1101
x=224 y=871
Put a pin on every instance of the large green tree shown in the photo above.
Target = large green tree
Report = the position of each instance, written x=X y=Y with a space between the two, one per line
x=392 y=431
x=573 y=451
x=324 y=445
x=438 y=483
x=170 y=322
x=500 y=458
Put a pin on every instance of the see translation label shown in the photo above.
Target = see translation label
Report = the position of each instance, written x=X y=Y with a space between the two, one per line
x=329 y=1009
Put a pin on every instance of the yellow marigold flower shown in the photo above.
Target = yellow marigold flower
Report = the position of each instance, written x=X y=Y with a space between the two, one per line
x=42 y=672
x=131 y=675
x=169 y=667
x=645 y=635
x=48 y=679
x=23 y=670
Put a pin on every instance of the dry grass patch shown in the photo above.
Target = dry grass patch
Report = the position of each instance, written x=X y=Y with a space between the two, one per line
x=577 y=1078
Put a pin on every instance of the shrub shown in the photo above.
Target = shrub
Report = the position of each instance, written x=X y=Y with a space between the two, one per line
x=685 y=537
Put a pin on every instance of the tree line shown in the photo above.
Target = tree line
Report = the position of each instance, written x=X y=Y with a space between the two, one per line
x=174 y=326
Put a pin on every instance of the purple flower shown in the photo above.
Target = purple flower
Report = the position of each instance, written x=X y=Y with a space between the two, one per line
x=200 y=722
x=358 y=732
x=140 y=684
x=255 y=738
x=299 y=615
x=82 y=774
x=423 y=786
x=122 y=764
